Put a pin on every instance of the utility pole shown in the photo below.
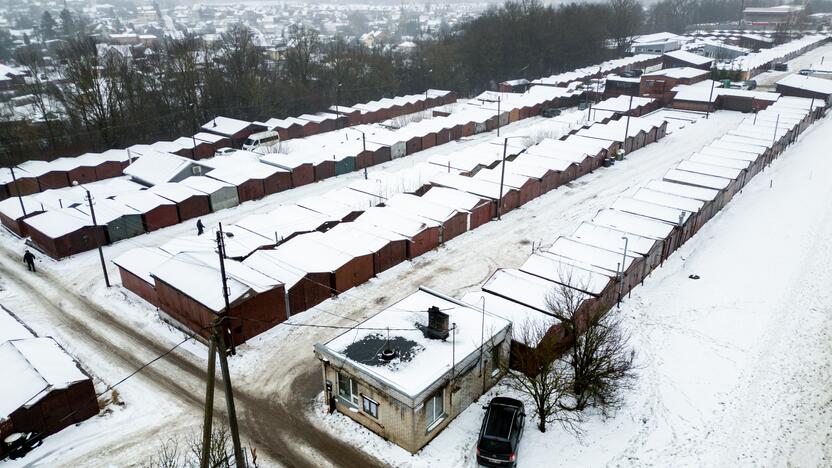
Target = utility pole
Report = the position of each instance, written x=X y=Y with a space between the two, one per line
x=208 y=418
x=219 y=334
x=711 y=98
x=774 y=137
x=502 y=178
x=95 y=224
x=627 y=127
x=482 y=345
x=498 y=120
x=17 y=189
x=623 y=262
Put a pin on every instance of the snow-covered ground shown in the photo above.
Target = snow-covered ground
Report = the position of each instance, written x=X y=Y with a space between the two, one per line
x=279 y=365
x=735 y=368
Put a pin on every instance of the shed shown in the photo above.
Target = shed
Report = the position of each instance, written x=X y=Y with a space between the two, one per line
x=682 y=220
x=528 y=187
x=47 y=175
x=190 y=289
x=285 y=222
x=610 y=238
x=80 y=169
x=361 y=266
x=562 y=271
x=480 y=188
x=12 y=215
x=216 y=141
x=330 y=207
x=119 y=158
x=314 y=270
x=478 y=210
x=712 y=199
x=61 y=233
x=290 y=128
x=235 y=130
x=807 y=87
x=157 y=212
x=301 y=168
x=119 y=221
x=19 y=183
x=190 y=203
x=423 y=235
x=559 y=171
x=453 y=222
x=221 y=195
x=249 y=180
x=45 y=390
x=134 y=267
x=388 y=248
x=641 y=226
x=153 y=168
x=191 y=147
x=683 y=58
x=610 y=258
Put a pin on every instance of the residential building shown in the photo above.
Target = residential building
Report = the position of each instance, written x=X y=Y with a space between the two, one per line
x=409 y=370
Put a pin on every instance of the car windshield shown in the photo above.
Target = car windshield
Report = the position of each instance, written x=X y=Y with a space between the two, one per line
x=499 y=422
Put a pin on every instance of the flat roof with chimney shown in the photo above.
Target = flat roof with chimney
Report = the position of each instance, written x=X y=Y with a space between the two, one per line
x=420 y=363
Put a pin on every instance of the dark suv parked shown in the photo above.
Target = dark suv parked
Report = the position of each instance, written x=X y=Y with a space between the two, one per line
x=500 y=434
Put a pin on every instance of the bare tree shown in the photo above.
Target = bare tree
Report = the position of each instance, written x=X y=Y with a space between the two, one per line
x=541 y=377
x=600 y=358
x=187 y=452
x=626 y=20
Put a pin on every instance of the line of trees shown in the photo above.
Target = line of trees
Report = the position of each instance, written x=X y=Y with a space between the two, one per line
x=106 y=100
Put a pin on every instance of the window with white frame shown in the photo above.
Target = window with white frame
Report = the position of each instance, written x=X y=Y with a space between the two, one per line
x=435 y=408
x=369 y=406
x=347 y=388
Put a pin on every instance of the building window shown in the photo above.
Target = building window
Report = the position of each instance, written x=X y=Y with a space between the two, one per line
x=496 y=362
x=435 y=408
x=348 y=389
x=370 y=407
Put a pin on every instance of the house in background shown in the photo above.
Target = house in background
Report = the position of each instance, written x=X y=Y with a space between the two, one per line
x=406 y=385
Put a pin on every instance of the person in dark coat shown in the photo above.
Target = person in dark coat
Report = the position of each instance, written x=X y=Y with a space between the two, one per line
x=200 y=228
x=29 y=260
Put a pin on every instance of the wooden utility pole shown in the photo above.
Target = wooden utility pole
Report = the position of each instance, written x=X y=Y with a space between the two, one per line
x=220 y=327
x=208 y=416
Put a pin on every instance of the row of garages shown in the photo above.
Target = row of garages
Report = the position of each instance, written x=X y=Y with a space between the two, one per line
x=337 y=117
x=596 y=265
x=638 y=62
x=755 y=63
x=37 y=176
x=220 y=132
x=323 y=246
x=183 y=189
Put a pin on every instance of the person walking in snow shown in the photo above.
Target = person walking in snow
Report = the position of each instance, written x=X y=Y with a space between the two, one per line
x=29 y=260
x=200 y=228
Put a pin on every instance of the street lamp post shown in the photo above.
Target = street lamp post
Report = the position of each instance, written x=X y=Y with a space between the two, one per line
x=337 y=111
x=95 y=223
